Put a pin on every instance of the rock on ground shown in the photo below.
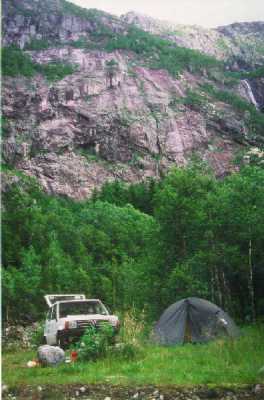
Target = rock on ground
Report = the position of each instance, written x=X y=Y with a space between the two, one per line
x=50 y=355
x=115 y=392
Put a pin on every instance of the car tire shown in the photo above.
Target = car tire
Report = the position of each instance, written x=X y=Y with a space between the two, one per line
x=60 y=342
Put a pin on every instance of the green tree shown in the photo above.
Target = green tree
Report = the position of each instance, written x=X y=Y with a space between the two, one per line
x=240 y=210
x=111 y=69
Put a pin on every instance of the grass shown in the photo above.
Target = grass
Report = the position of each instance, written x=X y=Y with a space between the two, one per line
x=221 y=362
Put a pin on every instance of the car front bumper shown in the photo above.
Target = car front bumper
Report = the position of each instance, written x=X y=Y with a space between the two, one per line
x=72 y=335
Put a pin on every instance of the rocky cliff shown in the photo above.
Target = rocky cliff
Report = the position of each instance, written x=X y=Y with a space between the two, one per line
x=116 y=114
x=241 y=42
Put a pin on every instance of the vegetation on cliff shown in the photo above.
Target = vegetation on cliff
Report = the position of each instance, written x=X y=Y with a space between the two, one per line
x=15 y=62
x=206 y=93
x=161 y=53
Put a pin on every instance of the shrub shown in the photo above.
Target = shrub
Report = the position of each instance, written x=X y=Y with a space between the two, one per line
x=38 y=44
x=126 y=351
x=133 y=333
x=98 y=343
x=55 y=71
x=15 y=62
x=82 y=43
x=4 y=126
x=95 y=343
x=36 y=334
x=194 y=100
x=257 y=73
x=133 y=328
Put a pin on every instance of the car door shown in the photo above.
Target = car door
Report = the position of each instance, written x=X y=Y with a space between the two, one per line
x=51 y=326
x=47 y=324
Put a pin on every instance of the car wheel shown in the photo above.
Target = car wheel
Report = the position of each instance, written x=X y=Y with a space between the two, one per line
x=60 y=342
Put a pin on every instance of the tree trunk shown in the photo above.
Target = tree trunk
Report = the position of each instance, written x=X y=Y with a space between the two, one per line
x=216 y=292
x=218 y=288
x=114 y=285
x=250 y=282
x=227 y=294
x=7 y=314
x=212 y=285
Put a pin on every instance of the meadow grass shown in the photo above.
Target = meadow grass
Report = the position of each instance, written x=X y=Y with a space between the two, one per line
x=222 y=362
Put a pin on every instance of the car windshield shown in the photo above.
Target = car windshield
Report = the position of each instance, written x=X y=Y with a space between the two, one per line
x=81 y=308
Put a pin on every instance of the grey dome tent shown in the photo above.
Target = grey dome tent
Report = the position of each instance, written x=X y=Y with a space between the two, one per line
x=193 y=320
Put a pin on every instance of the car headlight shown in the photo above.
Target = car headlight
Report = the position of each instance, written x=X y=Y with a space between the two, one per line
x=70 y=324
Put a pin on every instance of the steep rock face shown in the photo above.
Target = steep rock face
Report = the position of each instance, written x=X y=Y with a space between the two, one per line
x=240 y=45
x=245 y=28
x=193 y=37
x=75 y=134
x=242 y=42
x=54 y=20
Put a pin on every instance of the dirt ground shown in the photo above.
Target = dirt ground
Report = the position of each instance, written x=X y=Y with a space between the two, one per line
x=106 y=392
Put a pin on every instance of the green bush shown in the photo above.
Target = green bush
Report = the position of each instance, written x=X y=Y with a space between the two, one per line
x=95 y=342
x=4 y=126
x=55 y=71
x=194 y=100
x=15 y=62
x=257 y=73
x=37 y=335
x=125 y=351
x=38 y=44
x=82 y=43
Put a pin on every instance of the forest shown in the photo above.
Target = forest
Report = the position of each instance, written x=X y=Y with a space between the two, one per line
x=137 y=247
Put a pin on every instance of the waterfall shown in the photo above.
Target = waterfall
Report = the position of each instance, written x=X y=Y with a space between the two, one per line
x=250 y=94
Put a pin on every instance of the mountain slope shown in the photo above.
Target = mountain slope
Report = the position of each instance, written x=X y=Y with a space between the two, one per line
x=240 y=41
x=89 y=98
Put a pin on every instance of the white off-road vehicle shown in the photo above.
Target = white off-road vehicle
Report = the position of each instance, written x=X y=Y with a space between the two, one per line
x=69 y=316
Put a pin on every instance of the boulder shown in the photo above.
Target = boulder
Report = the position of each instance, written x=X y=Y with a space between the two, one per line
x=50 y=355
x=258 y=389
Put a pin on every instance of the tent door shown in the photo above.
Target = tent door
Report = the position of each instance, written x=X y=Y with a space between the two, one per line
x=187 y=331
